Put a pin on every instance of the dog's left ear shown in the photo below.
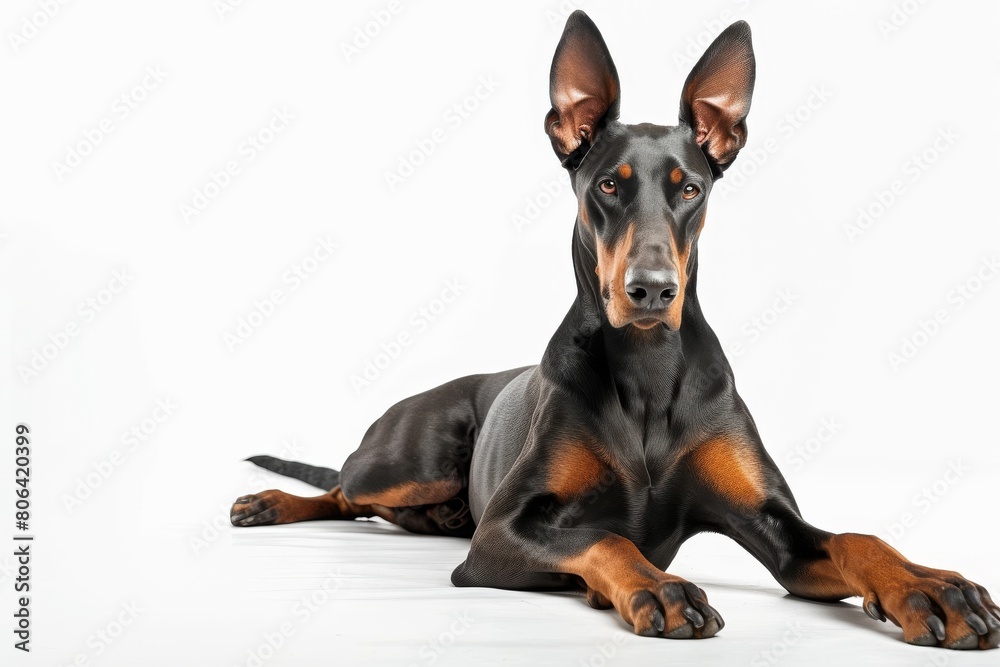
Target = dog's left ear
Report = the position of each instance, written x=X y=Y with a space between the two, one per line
x=583 y=88
x=716 y=97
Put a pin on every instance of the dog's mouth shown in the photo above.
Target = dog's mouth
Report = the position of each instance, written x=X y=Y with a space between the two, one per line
x=642 y=319
x=647 y=323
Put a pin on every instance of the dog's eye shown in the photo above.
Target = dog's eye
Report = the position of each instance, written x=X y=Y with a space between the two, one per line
x=690 y=191
x=608 y=186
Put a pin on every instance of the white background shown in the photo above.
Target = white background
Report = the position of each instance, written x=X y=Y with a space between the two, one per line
x=866 y=97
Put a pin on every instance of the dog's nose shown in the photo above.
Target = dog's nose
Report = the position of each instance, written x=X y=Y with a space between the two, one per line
x=651 y=289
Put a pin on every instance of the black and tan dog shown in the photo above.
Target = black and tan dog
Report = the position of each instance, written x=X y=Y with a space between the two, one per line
x=593 y=467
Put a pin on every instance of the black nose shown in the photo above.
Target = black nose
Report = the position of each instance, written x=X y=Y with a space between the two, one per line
x=650 y=289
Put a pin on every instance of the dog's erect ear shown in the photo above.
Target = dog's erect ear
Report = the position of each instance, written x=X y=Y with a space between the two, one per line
x=716 y=97
x=583 y=88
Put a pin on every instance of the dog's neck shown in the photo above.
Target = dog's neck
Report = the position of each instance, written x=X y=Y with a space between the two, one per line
x=644 y=366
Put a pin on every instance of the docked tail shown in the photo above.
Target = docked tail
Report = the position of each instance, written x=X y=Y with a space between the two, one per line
x=323 y=478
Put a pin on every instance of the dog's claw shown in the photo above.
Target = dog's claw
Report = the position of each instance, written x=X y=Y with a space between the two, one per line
x=874 y=611
x=658 y=621
x=697 y=619
x=936 y=626
x=977 y=624
x=712 y=626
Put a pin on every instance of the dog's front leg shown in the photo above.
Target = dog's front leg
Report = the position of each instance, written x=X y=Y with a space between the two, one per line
x=534 y=534
x=933 y=607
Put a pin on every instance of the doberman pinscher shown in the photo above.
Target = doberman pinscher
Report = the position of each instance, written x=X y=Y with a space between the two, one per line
x=591 y=468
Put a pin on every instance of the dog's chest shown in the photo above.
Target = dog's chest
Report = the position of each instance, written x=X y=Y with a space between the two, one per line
x=646 y=486
x=646 y=454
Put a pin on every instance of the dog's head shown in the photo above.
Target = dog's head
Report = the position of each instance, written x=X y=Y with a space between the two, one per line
x=643 y=189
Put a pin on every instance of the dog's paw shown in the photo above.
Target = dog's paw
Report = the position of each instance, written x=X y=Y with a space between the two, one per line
x=258 y=509
x=938 y=608
x=671 y=608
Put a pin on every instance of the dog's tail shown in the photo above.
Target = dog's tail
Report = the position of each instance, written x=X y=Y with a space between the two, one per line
x=322 y=478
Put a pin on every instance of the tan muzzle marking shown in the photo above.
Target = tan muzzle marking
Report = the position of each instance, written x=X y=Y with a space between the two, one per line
x=612 y=262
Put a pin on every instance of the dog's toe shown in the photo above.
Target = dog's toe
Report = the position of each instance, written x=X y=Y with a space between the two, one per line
x=255 y=510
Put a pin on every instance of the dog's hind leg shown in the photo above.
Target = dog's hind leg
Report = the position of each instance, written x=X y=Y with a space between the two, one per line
x=412 y=467
x=276 y=507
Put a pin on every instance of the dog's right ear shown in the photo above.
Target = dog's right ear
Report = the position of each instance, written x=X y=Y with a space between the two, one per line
x=583 y=89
